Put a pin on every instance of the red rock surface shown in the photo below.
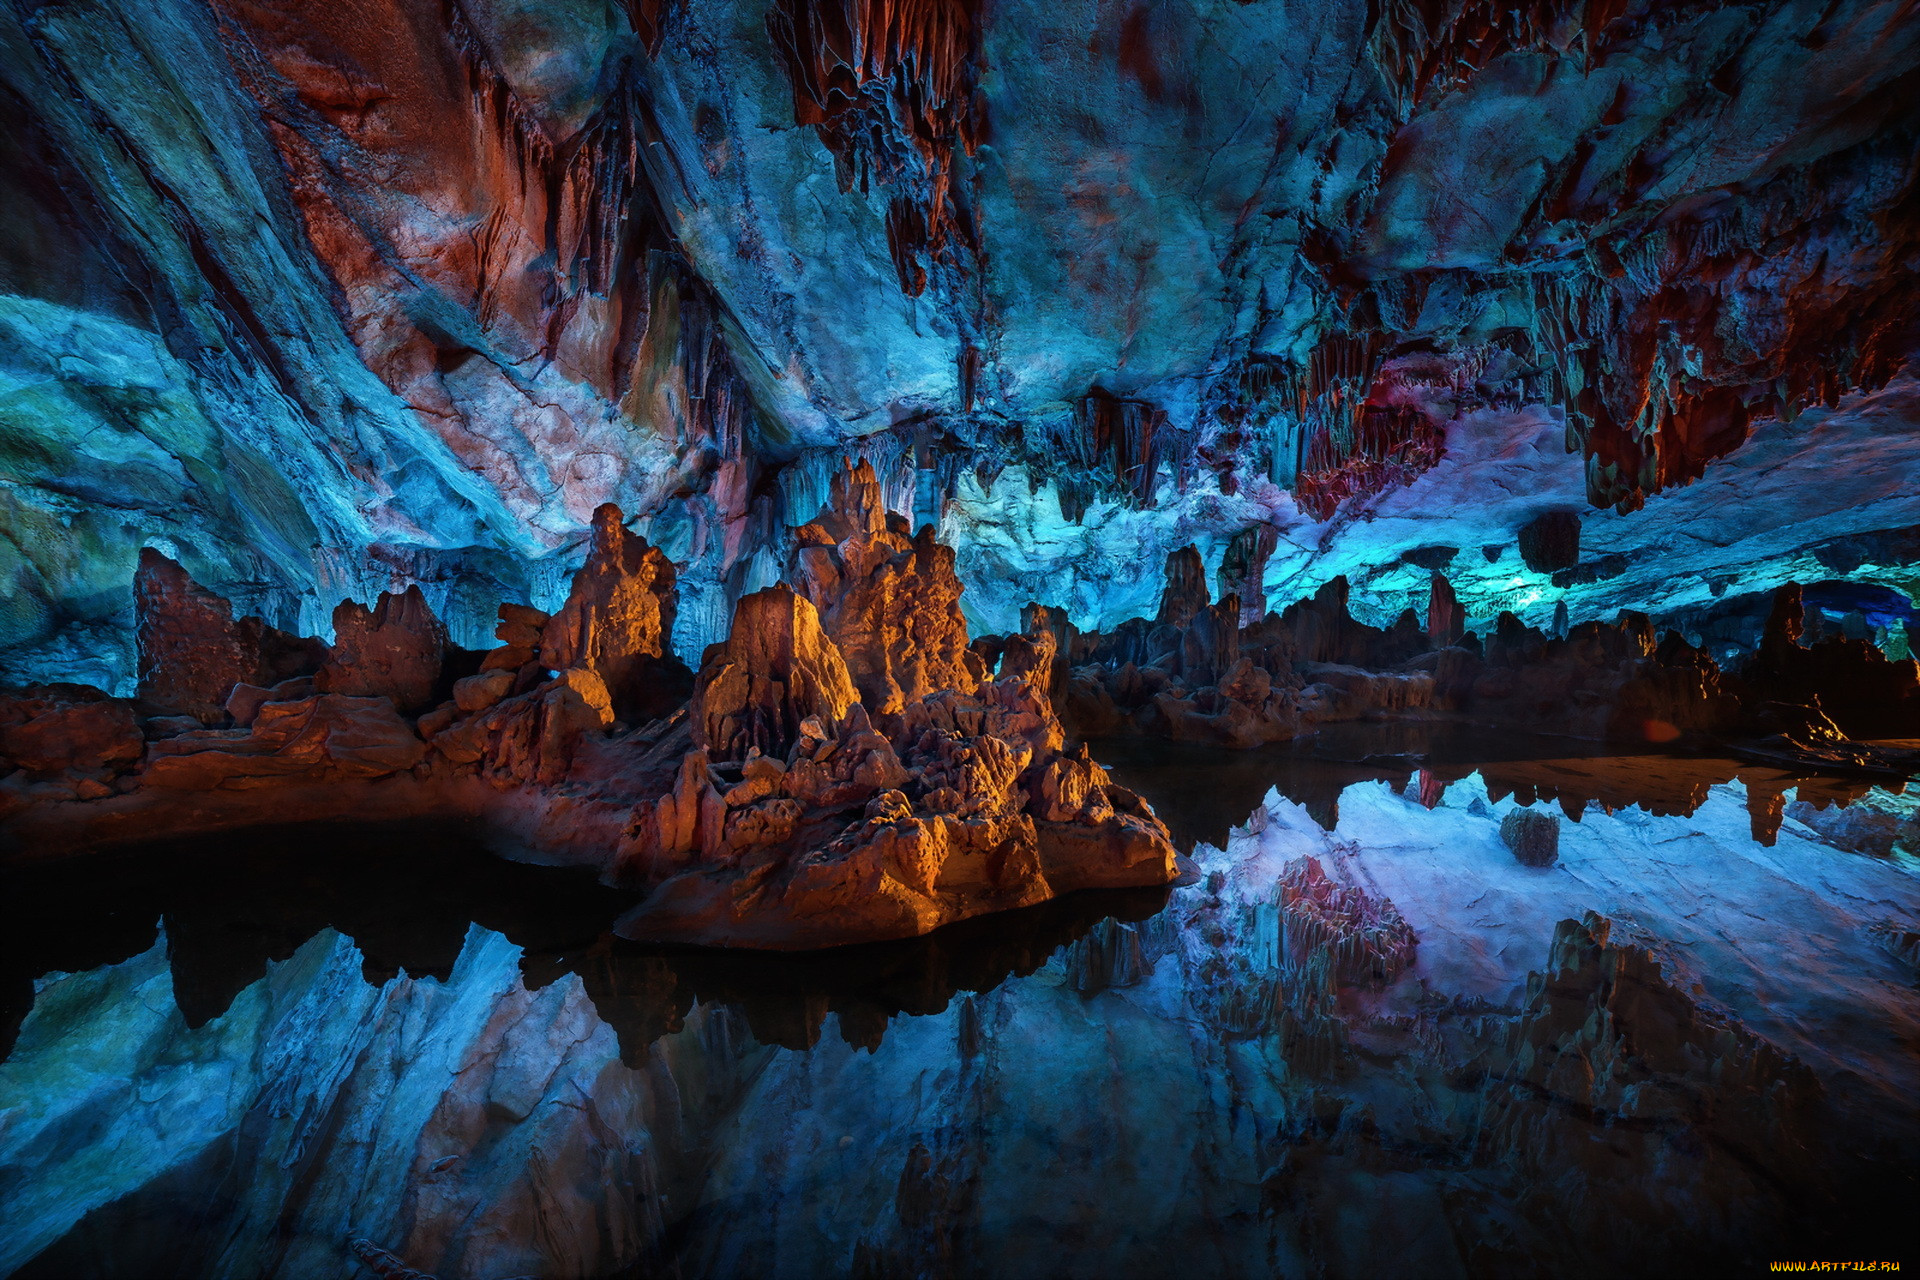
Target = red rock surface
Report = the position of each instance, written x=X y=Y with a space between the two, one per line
x=394 y=650
x=328 y=736
x=530 y=739
x=795 y=822
x=56 y=728
x=776 y=670
x=192 y=652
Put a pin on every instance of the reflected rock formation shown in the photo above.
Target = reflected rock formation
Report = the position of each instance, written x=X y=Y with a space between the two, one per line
x=1388 y=1045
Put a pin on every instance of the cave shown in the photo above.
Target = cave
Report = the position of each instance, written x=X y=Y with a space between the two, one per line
x=947 y=638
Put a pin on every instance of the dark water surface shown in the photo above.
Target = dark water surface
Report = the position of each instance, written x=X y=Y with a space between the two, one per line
x=232 y=1057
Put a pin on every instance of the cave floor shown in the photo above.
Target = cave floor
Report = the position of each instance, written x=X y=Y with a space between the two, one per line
x=1689 y=1041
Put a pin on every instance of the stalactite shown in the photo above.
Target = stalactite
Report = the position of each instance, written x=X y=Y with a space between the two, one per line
x=1428 y=47
x=1243 y=570
x=1387 y=448
x=890 y=85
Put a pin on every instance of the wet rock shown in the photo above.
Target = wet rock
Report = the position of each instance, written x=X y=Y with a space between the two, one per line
x=1533 y=837
x=1859 y=828
x=1900 y=942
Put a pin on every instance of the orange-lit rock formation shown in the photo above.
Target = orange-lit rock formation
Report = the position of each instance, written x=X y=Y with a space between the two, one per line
x=891 y=602
x=805 y=795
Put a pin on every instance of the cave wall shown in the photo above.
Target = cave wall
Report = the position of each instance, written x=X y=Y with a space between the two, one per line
x=325 y=300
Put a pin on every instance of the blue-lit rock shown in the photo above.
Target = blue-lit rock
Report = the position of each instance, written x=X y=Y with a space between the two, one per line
x=1647 y=1051
x=346 y=305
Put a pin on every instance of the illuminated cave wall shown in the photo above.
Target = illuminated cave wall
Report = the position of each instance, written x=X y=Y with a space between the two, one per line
x=324 y=299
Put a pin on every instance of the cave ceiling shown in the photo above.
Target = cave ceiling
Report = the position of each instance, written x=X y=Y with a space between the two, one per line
x=324 y=298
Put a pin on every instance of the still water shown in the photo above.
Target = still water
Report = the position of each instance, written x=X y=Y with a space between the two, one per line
x=242 y=1057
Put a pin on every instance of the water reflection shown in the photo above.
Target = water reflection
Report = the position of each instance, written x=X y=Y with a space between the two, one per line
x=408 y=895
x=1202 y=792
x=645 y=993
x=1115 y=1084
x=231 y=904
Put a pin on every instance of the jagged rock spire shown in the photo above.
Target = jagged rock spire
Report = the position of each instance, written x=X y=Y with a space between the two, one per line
x=618 y=618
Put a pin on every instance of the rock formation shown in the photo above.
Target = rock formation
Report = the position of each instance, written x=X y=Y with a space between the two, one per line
x=1839 y=679
x=394 y=651
x=68 y=742
x=192 y=652
x=798 y=823
x=1533 y=837
x=1193 y=675
x=1532 y=347
x=890 y=603
x=1361 y=941
x=327 y=737
x=781 y=806
x=776 y=671
x=617 y=621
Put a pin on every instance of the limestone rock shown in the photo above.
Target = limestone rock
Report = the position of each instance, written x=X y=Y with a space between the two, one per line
x=775 y=811
x=192 y=652
x=617 y=621
x=1851 y=681
x=1029 y=658
x=1446 y=621
x=1605 y=1027
x=477 y=693
x=889 y=602
x=394 y=650
x=245 y=700
x=54 y=728
x=776 y=669
x=1185 y=593
x=1363 y=939
x=1533 y=837
x=1243 y=569
x=520 y=624
x=327 y=736
x=529 y=739
x=1551 y=541
x=827 y=844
